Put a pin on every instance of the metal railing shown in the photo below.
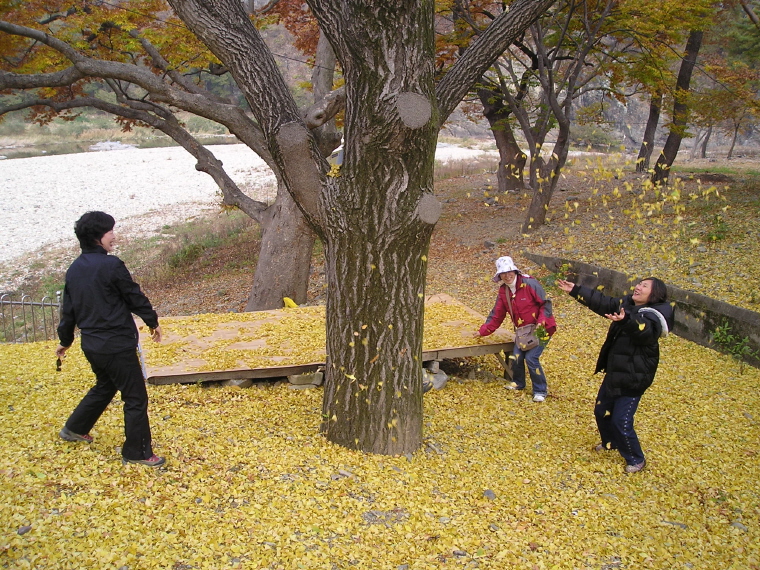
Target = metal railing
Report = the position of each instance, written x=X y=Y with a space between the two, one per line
x=27 y=320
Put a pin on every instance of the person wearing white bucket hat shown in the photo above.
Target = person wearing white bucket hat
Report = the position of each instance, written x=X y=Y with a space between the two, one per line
x=522 y=298
x=504 y=265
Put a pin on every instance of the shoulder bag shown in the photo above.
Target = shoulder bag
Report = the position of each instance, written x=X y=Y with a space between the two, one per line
x=525 y=336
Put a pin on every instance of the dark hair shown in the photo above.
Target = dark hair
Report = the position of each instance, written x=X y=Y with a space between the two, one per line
x=658 y=292
x=91 y=227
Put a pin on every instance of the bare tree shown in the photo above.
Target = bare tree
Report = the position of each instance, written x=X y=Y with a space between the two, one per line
x=533 y=88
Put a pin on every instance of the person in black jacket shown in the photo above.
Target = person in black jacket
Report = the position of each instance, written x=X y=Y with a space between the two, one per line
x=99 y=297
x=629 y=356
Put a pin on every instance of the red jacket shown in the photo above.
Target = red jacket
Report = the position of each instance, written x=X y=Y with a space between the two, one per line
x=530 y=305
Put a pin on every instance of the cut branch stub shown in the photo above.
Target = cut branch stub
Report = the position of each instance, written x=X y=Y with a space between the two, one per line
x=414 y=109
x=429 y=209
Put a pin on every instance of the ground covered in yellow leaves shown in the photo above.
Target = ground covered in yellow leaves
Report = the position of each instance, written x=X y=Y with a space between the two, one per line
x=501 y=482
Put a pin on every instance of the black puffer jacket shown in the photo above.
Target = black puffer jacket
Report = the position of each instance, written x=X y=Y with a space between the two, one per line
x=631 y=352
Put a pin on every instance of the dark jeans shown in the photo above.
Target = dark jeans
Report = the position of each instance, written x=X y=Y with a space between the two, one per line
x=521 y=359
x=117 y=372
x=614 y=418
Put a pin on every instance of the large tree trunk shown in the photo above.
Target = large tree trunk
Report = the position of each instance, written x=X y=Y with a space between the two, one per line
x=647 y=142
x=376 y=239
x=680 y=110
x=282 y=269
x=373 y=388
x=511 y=158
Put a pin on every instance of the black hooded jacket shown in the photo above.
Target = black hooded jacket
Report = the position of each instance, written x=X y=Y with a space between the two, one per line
x=631 y=352
x=100 y=297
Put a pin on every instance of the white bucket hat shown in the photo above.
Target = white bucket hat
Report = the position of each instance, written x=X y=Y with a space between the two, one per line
x=504 y=264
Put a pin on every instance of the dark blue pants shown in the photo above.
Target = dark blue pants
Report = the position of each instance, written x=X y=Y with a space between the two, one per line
x=119 y=372
x=614 y=419
x=521 y=359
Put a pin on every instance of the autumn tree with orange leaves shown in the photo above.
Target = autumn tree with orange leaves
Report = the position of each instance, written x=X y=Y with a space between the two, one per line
x=140 y=63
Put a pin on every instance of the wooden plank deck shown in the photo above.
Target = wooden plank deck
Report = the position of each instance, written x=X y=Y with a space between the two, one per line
x=205 y=348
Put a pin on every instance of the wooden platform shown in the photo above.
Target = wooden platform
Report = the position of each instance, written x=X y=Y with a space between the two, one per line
x=270 y=344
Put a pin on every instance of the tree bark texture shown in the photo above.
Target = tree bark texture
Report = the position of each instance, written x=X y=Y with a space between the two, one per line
x=647 y=142
x=382 y=212
x=287 y=241
x=373 y=388
x=511 y=158
x=680 y=110
x=224 y=27
x=284 y=263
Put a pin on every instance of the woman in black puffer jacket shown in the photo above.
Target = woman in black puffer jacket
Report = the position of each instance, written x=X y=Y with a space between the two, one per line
x=629 y=357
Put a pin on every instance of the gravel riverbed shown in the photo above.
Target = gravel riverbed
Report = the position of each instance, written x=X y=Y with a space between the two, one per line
x=43 y=196
x=144 y=189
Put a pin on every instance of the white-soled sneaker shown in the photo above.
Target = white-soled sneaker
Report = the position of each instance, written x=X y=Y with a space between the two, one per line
x=539 y=398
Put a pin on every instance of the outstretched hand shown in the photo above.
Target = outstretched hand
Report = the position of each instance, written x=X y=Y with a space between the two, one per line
x=566 y=286
x=616 y=316
x=155 y=334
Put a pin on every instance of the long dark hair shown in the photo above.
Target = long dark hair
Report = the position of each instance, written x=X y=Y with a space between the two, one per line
x=659 y=291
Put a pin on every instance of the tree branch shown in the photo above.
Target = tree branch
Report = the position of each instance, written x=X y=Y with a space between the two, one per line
x=224 y=27
x=325 y=109
x=750 y=13
x=160 y=62
x=480 y=55
x=166 y=123
x=61 y=78
x=197 y=102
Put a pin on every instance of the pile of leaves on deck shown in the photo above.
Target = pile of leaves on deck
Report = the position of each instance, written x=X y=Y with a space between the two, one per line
x=296 y=336
x=500 y=481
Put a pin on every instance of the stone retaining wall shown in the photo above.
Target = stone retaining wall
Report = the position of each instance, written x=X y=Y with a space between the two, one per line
x=697 y=316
